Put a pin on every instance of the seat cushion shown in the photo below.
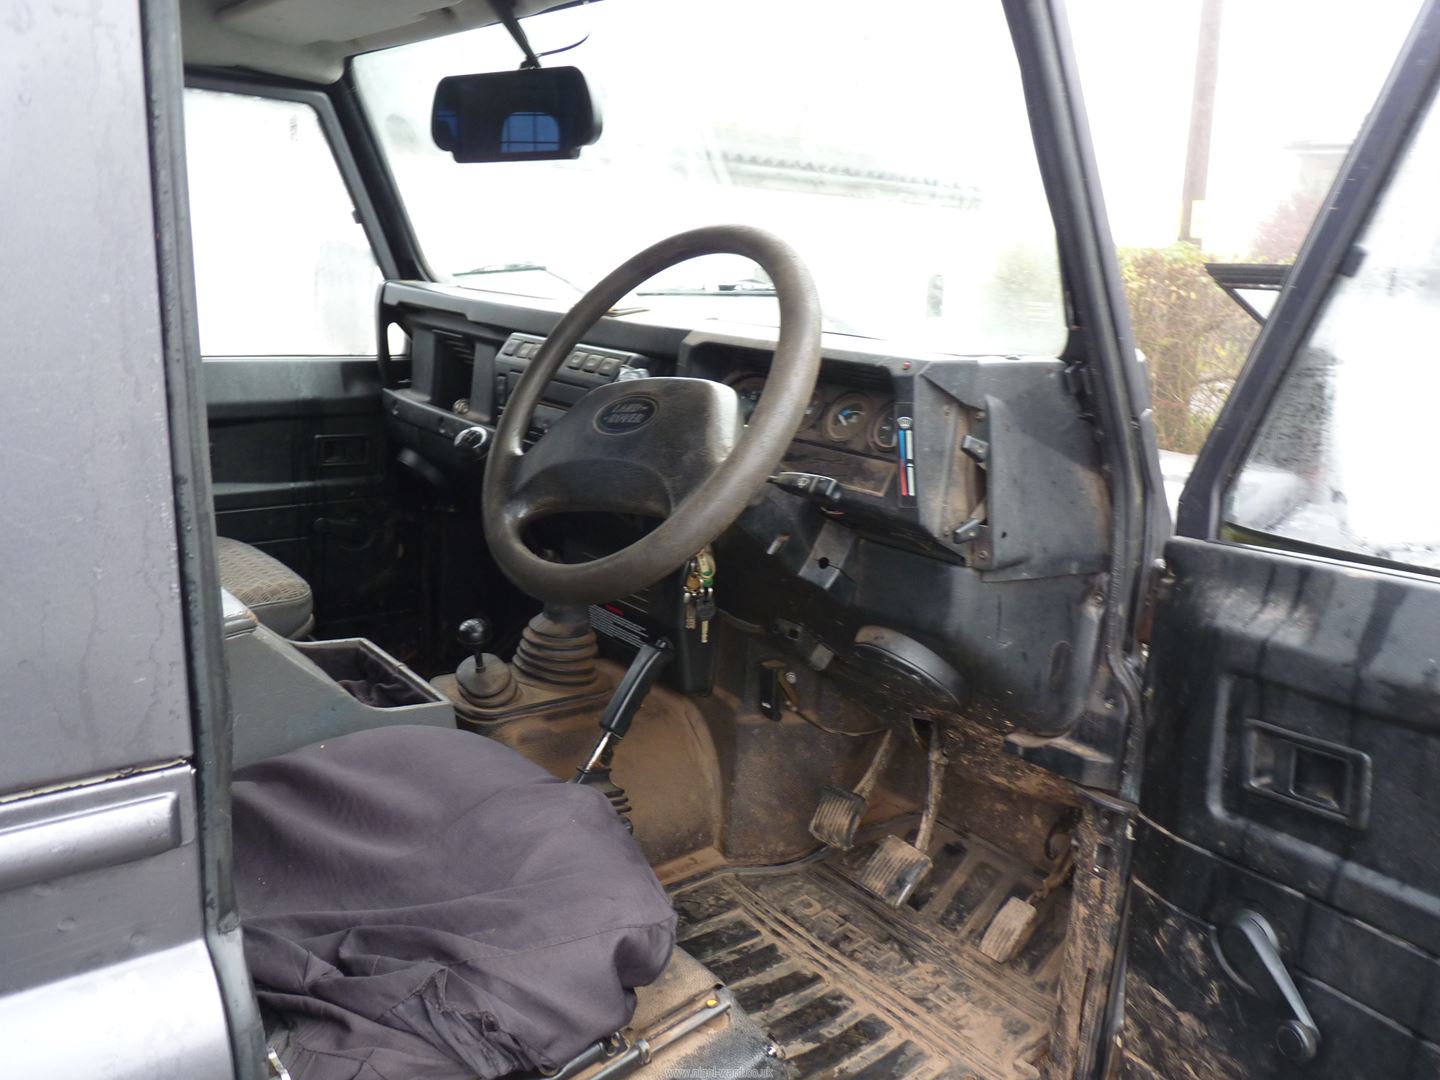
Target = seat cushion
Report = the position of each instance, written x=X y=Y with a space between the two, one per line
x=427 y=903
x=277 y=595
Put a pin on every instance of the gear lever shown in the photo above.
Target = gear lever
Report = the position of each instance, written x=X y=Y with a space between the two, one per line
x=475 y=635
x=483 y=678
x=614 y=725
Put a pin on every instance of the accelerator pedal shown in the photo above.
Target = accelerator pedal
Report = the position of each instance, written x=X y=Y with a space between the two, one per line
x=839 y=813
x=1011 y=928
x=1014 y=924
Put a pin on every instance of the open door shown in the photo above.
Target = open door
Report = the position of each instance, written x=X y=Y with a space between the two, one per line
x=1284 y=915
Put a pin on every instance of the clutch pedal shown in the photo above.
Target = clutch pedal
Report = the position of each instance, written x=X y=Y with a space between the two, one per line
x=839 y=813
x=897 y=867
x=838 y=817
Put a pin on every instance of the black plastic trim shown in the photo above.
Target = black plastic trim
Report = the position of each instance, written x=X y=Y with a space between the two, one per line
x=1348 y=207
x=1102 y=350
x=1236 y=279
x=374 y=171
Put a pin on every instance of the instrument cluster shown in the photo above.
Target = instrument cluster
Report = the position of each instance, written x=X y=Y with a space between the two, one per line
x=839 y=416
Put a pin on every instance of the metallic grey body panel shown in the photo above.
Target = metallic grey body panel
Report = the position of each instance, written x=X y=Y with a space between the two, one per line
x=105 y=972
x=87 y=839
x=90 y=912
x=141 y=1020
x=91 y=644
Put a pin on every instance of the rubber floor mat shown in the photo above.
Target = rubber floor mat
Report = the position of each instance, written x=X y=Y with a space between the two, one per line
x=851 y=988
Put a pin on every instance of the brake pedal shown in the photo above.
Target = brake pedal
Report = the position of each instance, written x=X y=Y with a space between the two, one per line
x=894 y=870
x=896 y=867
x=839 y=813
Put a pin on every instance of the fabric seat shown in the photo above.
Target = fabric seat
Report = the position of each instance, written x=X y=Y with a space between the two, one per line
x=279 y=597
x=427 y=903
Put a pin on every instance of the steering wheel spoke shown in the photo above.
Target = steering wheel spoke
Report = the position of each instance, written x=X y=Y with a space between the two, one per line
x=668 y=448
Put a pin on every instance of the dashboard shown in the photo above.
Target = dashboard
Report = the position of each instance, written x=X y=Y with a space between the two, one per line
x=970 y=531
x=851 y=431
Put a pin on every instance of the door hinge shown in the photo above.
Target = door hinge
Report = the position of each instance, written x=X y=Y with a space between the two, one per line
x=1080 y=383
x=1155 y=590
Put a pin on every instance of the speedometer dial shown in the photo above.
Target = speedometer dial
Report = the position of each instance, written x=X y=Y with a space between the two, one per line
x=846 y=417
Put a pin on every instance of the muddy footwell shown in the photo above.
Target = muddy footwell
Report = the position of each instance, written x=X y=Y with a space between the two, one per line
x=851 y=988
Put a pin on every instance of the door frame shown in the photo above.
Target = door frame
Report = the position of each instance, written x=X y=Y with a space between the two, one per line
x=211 y=714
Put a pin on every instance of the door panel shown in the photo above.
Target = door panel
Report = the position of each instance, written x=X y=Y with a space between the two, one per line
x=1304 y=690
x=1296 y=708
x=298 y=458
x=99 y=901
x=1193 y=1023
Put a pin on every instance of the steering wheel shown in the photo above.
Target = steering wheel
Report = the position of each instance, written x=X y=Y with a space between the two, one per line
x=667 y=448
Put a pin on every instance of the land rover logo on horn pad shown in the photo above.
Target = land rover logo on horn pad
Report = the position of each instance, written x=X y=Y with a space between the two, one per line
x=627 y=414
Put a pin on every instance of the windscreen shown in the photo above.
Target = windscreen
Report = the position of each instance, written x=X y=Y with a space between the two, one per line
x=888 y=143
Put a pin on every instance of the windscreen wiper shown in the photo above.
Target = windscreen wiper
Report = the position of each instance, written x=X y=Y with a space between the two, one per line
x=511 y=268
x=524 y=267
x=748 y=287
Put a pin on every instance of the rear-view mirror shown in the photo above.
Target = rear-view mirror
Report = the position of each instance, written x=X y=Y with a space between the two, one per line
x=535 y=114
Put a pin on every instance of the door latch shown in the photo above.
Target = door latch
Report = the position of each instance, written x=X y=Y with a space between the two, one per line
x=1250 y=949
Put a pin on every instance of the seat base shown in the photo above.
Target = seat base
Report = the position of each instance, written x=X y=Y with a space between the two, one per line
x=280 y=598
x=730 y=1046
x=428 y=902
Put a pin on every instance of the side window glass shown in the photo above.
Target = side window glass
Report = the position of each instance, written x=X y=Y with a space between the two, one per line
x=1346 y=459
x=282 y=267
